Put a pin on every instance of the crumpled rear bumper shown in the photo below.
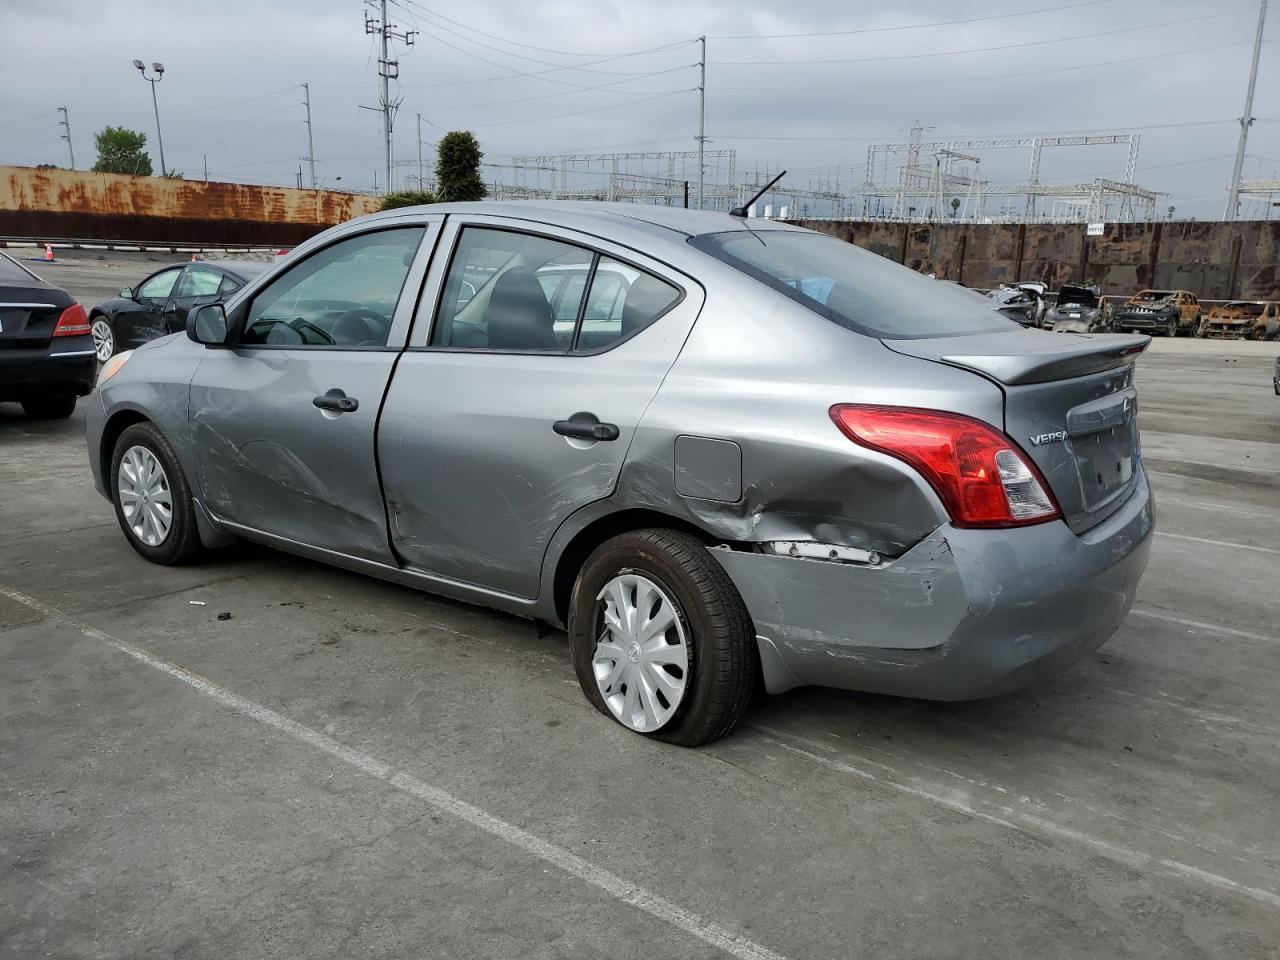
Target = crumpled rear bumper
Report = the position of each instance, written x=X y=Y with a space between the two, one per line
x=964 y=614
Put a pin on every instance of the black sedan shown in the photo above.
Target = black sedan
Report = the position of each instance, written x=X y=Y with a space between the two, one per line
x=160 y=303
x=46 y=353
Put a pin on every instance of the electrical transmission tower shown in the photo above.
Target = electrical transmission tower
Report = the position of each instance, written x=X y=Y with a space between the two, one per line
x=388 y=70
x=65 y=123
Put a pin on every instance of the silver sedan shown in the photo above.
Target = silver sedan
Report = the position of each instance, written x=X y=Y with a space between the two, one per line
x=722 y=453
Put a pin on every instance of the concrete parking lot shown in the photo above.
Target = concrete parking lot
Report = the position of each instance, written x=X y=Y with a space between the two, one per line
x=264 y=757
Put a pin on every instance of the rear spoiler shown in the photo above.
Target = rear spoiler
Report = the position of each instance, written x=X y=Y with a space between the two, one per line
x=1074 y=359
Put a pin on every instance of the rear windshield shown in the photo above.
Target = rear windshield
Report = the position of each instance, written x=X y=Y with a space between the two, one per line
x=853 y=287
x=11 y=272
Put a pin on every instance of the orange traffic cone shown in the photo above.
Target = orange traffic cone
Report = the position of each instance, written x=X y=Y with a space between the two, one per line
x=48 y=253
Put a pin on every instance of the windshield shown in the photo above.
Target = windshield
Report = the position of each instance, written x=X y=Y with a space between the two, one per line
x=855 y=288
x=1150 y=296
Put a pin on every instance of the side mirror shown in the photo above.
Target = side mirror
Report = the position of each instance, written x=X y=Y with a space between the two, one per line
x=126 y=293
x=208 y=325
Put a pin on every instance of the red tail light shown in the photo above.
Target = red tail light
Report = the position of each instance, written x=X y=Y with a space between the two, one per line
x=982 y=477
x=72 y=323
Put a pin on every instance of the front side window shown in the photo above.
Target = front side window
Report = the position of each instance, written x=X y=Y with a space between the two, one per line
x=343 y=296
x=198 y=282
x=159 y=286
x=852 y=287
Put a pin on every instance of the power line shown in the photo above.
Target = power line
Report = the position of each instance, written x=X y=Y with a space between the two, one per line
x=1050 y=133
x=575 y=113
x=1162 y=55
x=529 y=46
x=232 y=103
x=1006 y=46
x=603 y=87
x=909 y=26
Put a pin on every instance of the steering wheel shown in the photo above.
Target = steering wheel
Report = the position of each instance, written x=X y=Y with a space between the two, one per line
x=376 y=325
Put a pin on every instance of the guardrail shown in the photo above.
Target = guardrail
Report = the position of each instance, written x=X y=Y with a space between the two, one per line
x=148 y=246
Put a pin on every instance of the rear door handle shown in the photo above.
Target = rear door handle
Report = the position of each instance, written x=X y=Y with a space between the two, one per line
x=337 y=401
x=586 y=426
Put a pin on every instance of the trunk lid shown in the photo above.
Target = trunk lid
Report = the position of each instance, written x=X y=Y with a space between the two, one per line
x=28 y=314
x=1070 y=405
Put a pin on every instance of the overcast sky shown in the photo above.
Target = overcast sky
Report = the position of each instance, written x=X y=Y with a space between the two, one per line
x=810 y=103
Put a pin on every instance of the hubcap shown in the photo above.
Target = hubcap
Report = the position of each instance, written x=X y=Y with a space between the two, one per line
x=145 y=498
x=103 y=340
x=641 y=660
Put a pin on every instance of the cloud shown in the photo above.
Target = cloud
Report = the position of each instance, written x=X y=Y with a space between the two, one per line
x=231 y=91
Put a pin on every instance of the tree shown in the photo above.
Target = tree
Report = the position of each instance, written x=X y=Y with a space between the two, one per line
x=458 y=168
x=406 y=198
x=121 y=151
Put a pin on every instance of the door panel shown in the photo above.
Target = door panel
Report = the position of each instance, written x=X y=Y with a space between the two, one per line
x=279 y=445
x=269 y=459
x=475 y=477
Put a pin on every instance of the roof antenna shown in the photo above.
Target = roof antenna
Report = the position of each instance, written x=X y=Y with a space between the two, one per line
x=742 y=210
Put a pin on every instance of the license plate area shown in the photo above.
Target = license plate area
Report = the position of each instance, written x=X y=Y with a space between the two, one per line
x=1104 y=439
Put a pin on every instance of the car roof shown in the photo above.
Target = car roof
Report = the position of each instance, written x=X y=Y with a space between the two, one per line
x=601 y=215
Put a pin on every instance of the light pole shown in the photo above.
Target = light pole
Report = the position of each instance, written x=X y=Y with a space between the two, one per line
x=159 y=73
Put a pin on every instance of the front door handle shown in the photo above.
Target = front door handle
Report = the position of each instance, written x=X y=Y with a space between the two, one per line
x=337 y=401
x=586 y=426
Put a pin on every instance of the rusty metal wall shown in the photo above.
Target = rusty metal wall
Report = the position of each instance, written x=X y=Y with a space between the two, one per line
x=1216 y=261
x=57 y=204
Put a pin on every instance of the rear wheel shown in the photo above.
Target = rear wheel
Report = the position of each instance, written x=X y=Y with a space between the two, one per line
x=1201 y=327
x=49 y=408
x=152 y=497
x=104 y=338
x=660 y=638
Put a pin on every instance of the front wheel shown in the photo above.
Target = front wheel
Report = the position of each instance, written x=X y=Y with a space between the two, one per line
x=152 y=497
x=1171 y=329
x=104 y=338
x=660 y=638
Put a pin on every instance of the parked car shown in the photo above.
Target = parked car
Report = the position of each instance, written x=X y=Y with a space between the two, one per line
x=783 y=460
x=160 y=303
x=1242 y=320
x=1078 y=310
x=46 y=352
x=1275 y=377
x=1024 y=303
x=1170 y=312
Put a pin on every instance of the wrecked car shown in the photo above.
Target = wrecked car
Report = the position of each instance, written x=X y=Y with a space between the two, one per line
x=1242 y=320
x=1168 y=312
x=1023 y=303
x=1078 y=310
x=758 y=455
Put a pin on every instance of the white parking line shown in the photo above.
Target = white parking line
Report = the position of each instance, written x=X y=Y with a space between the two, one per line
x=1217 y=543
x=1002 y=814
x=705 y=930
x=1166 y=500
x=1202 y=626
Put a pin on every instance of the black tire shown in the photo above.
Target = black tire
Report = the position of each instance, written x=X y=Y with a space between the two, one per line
x=182 y=544
x=1171 y=329
x=725 y=661
x=49 y=408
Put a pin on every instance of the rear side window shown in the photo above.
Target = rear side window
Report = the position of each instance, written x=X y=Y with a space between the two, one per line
x=198 y=282
x=521 y=293
x=852 y=287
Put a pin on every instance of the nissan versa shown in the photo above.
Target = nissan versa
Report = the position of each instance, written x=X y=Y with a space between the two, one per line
x=744 y=454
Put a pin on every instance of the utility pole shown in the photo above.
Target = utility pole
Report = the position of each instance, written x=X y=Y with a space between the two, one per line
x=419 y=151
x=1233 y=196
x=702 y=112
x=205 y=158
x=388 y=70
x=66 y=126
x=311 y=147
